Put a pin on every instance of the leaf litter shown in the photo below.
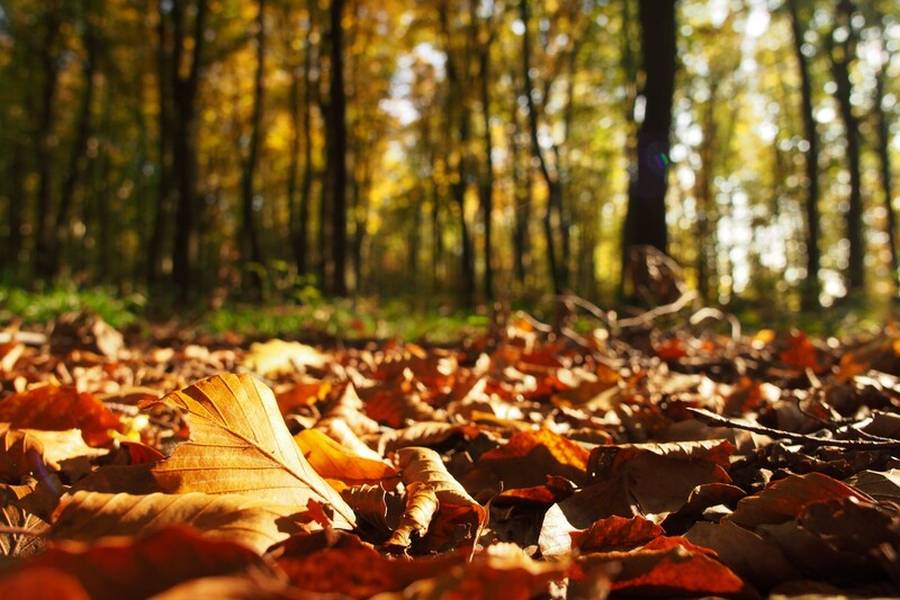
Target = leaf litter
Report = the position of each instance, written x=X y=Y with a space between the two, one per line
x=647 y=458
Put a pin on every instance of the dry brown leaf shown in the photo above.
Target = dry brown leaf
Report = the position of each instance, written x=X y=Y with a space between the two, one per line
x=42 y=583
x=529 y=457
x=421 y=504
x=89 y=516
x=335 y=462
x=240 y=445
x=19 y=545
x=423 y=465
x=277 y=357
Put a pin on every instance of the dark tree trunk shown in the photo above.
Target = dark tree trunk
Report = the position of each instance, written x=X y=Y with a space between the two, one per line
x=554 y=188
x=79 y=148
x=884 y=164
x=164 y=156
x=486 y=188
x=521 y=181
x=336 y=142
x=706 y=254
x=252 y=250
x=184 y=92
x=645 y=223
x=46 y=120
x=457 y=108
x=841 y=57
x=811 y=285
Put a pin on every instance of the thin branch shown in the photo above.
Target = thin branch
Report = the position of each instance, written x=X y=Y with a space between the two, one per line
x=714 y=419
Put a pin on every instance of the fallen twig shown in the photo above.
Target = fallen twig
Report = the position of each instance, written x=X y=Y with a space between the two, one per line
x=714 y=419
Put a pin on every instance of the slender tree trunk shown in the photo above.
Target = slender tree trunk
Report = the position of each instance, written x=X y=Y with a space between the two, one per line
x=487 y=184
x=554 y=190
x=301 y=119
x=521 y=182
x=163 y=183
x=336 y=140
x=458 y=109
x=46 y=121
x=841 y=58
x=252 y=250
x=884 y=159
x=645 y=223
x=185 y=141
x=79 y=147
x=811 y=285
x=705 y=203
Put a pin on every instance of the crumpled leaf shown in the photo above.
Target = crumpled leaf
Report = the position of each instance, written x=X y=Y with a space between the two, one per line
x=118 y=568
x=421 y=504
x=423 y=467
x=651 y=480
x=240 y=445
x=89 y=516
x=56 y=408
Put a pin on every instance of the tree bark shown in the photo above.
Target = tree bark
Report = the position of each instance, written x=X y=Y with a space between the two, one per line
x=486 y=189
x=184 y=91
x=301 y=118
x=46 y=121
x=521 y=181
x=457 y=109
x=810 y=295
x=884 y=164
x=336 y=141
x=252 y=250
x=645 y=223
x=841 y=54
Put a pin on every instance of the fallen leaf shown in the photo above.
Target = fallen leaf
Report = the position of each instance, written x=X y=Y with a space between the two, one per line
x=421 y=504
x=783 y=500
x=89 y=516
x=121 y=568
x=20 y=455
x=528 y=457
x=56 y=408
x=42 y=583
x=277 y=357
x=333 y=461
x=240 y=445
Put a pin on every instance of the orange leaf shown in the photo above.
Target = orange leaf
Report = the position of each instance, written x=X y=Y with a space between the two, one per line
x=331 y=460
x=123 y=568
x=57 y=408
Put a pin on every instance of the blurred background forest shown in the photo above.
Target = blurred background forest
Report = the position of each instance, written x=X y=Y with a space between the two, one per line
x=456 y=150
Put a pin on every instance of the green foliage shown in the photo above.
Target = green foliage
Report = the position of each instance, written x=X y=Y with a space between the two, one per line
x=44 y=306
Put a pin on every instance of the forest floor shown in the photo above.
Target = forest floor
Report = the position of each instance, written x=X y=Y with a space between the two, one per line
x=665 y=453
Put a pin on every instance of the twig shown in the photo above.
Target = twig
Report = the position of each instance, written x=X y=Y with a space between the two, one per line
x=660 y=311
x=20 y=531
x=714 y=419
x=708 y=312
x=28 y=338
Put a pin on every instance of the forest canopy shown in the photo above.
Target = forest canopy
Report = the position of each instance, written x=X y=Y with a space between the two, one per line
x=472 y=149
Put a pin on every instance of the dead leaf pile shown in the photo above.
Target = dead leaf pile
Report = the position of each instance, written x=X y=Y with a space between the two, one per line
x=643 y=458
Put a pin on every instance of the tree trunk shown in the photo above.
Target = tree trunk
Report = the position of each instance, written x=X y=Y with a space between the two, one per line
x=645 y=223
x=486 y=189
x=521 y=182
x=811 y=286
x=252 y=251
x=554 y=190
x=841 y=57
x=46 y=121
x=884 y=164
x=16 y=198
x=79 y=147
x=458 y=109
x=336 y=142
x=185 y=141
